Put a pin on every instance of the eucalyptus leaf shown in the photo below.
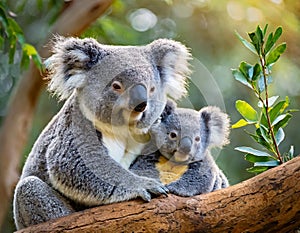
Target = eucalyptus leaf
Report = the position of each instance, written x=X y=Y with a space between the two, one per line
x=279 y=108
x=265 y=29
x=246 y=69
x=279 y=137
x=272 y=163
x=259 y=35
x=261 y=84
x=277 y=34
x=271 y=101
x=240 y=77
x=269 y=43
x=275 y=54
x=255 y=41
x=281 y=122
x=250 y=150
x=257 y=169
x=256 y=71
x=240 y=123
x=253 y=158
x=246 y=43
x=246 y=110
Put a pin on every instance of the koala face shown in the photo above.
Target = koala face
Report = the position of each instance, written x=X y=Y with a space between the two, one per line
x=119 y=85
x=185 y=135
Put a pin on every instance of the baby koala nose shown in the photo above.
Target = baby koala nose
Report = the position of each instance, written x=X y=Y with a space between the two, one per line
x=141 y=107
x=185 y=145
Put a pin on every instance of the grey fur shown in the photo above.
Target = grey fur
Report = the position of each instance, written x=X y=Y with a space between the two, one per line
x=202 y=174
x=81 y=157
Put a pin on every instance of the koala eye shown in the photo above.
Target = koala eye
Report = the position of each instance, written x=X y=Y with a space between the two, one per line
x=197 y=139
x=173 y=135
x=117 y=86
x=152 y=89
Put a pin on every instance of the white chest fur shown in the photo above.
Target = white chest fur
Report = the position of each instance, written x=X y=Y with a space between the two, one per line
x=123 y=145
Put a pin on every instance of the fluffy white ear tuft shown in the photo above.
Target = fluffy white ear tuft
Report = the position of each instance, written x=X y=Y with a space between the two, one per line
x=172 y=60
x=214 y=127
x=71 y=59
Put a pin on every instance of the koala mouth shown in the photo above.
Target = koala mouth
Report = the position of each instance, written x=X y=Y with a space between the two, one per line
x=181 y=157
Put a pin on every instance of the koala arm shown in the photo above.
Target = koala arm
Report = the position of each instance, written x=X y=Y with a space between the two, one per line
x=144 y=165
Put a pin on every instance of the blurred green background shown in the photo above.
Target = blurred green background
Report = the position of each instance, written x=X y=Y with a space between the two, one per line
x=208 y=28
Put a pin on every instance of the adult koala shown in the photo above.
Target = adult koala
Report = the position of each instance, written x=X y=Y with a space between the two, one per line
x=114 y=94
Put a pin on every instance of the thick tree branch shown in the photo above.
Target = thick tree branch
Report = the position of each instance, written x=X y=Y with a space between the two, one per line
x=17 y=124
x=268 y=202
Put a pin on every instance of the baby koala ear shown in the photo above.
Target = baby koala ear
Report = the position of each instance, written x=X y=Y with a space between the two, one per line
x=71 y=59
x=214 y=127
x=172 y=61
x=168 y=110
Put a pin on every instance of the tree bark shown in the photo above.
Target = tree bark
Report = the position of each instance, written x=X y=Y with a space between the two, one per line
x=17 y=123
x=269 y=202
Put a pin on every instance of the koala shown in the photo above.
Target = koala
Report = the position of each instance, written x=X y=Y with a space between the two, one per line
x=183 y=161
x=113 y=95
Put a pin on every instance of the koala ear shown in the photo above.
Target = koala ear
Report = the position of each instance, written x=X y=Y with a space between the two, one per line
x=168 y=110
x=171 y=59
x=214 y=127
x=71 y=59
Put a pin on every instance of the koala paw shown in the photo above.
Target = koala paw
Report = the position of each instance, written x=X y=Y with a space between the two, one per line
x=148 y=186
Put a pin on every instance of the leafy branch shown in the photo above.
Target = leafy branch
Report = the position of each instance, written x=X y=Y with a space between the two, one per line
x=12 y=35
x=272 y=116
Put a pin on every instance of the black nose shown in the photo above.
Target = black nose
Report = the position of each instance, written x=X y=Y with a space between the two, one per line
x=141 y=107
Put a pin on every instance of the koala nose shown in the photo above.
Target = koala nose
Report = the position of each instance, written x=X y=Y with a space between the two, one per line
x=138 y=98
x=185 y=145
x=141 y=107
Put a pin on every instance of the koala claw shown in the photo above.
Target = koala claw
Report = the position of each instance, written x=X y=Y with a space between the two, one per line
x=152 y=186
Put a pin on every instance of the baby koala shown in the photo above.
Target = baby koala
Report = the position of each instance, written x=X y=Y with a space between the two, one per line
x=183 y=162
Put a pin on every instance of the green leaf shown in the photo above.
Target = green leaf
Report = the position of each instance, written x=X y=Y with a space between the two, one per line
x=246 y=110
x=261 y=84
x=256 y=72
x=255 y=41
x=252 y=151
x=275 y=54
x=277 y=34
x=240 y=77
x=265 y=29
x=253 y=158
x=279 y=137
x=257 y=169
x=269 y=43
x=281 y=121
x=280 y=118
x=29 y=49
x=290 y=155
x=240 y=123
x=272 y=163
x=279 y=108
x=3 y=17
x=264 y=132
x=12 y=49
x=246 y=43
x=259 y=139
x=25 y=61
x=259 y=35
x=271 y=101
x=246 y=69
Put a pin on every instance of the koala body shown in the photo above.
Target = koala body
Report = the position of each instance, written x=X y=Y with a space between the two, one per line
x=183 y=161
x=113 y=96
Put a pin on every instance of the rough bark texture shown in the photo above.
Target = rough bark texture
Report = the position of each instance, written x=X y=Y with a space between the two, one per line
x=76 y=17
x=269 y=202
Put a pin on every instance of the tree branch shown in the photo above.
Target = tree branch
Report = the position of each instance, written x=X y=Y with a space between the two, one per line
x=17 y=124
x=268 y=202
